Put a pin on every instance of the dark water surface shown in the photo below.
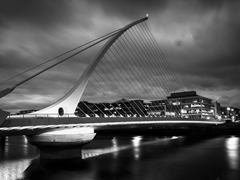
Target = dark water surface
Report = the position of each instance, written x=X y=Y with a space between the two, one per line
x=128 y=157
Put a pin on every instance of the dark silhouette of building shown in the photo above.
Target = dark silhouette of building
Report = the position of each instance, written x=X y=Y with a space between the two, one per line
x=120 y=108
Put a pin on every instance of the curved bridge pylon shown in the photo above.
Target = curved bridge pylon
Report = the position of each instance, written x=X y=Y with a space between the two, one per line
x=68 y=103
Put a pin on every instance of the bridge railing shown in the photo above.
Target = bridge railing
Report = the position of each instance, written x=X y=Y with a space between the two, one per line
x=46 y=120
x=12 y=116
x=57 y=116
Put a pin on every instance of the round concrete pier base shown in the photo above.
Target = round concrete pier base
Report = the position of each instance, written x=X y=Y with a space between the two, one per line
x=63 y=143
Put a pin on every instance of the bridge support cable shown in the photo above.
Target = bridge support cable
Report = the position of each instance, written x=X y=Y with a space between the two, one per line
x=110 y=49
x=136 y=73
x=84 y=47
x=170 y=75
x=70 y=101
x=134 y=51
x=148 y=59
x=146 y=62
x=167 y=66
x=106 y=66
x=98 y=77
x=142 y=60
x=60 y=55
x=82 y=111
x=150 y=50
x=111 y=55
x=120 y=61
x=111 y=106
x=128 y=85
x=134 y=41
x=125 y=63
x=162 y=69
x=160 y=51
x=89 y=108
x=86 y=113
x=131 y=64
x=110 y=113
x=162 y=63
x=100 y=110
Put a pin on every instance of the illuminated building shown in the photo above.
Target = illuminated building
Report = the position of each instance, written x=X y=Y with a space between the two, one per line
x=189 y=104
x=186 y=104
x=156 y=108
x=230 y=113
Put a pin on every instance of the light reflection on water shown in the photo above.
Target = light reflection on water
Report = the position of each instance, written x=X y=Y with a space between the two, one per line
x=136 y=141
x=130 y=154
x=12 y=170
x=16 y=156
x=232 y=149
x=115 y=147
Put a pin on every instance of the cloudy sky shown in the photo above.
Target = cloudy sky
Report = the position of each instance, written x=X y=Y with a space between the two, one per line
x=200 y=38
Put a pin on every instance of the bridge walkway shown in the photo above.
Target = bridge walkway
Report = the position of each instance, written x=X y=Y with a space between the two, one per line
x=28 y=126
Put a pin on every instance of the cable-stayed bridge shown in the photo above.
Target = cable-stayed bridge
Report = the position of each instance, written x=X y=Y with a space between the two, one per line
x=130 y=65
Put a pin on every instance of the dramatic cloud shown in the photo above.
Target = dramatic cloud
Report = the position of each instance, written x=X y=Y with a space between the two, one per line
x=200 y=38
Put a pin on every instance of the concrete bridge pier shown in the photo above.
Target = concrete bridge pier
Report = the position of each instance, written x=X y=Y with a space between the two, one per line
x=62 y=144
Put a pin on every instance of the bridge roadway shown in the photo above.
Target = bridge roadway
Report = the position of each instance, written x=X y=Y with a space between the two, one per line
x=35 y=125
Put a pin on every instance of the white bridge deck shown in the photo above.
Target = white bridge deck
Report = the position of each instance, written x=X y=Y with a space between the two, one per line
x=31 y=125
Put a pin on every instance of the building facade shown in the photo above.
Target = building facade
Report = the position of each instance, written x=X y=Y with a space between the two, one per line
x=186 y=104
x=191 y=105
x=229 y=113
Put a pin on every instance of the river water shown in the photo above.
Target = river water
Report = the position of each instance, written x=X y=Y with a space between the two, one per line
x=128 y=157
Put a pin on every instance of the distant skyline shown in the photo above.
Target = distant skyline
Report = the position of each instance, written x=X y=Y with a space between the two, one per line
x=200 y=38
